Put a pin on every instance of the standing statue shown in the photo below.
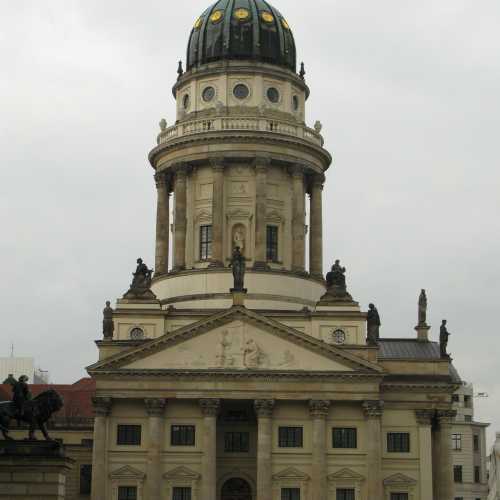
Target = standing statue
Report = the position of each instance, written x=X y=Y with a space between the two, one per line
x=422 y=309
x=373 y=325
x=336 y=283
x=444 y=336
x=141 y=283
x=108 y=327
x=239 y=267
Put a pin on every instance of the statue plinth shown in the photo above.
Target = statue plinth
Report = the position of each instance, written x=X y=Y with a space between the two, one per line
x=239 y=296
x=422 y=333
x=336 y=294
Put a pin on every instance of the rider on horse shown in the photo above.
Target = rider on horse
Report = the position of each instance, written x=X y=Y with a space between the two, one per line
x=20 y=394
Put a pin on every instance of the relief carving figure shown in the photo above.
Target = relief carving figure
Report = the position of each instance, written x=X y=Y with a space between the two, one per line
x=108 y=326
x=222 y=355
x=141 y=283
x=444 y=336
x=252 y=354
x=373 y=324
x=422 y=309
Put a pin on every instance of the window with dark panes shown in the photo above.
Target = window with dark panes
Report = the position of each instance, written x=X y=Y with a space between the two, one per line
x=455 y=398
x=476 y=442
x=85 y=479
x=272 y=243
x=182 y=435
x=345 y=494
x=236 y=442
x=127 y=493
x=205 y=242
x=477 y=474
x=129 y=435
x=290 y=494
x=456 y=442
x=399 y=496
x=181 y=494
x=468 y=401
x=290 y=437
x=457 y=473
x=398 y=442
x=345 y=438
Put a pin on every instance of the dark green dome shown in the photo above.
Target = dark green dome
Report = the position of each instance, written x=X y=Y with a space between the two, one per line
x=241 y=29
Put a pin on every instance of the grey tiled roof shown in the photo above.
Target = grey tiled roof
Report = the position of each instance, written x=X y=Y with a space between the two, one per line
x=408 y=349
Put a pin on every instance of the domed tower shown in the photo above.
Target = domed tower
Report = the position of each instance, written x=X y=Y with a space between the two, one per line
x=240 y=161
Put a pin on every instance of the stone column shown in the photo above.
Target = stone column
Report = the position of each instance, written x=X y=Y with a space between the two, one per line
x=156 y=410
x=180 y=221
x=442 y=456
x=319 y=411
x=217 y=212
x=373 y=413
x=209 y=408
x=261 y=166
x=424 y=420
x=298 y=220
x=102 y=408
x=316 y=228
x=264 y=410
x=162 y=224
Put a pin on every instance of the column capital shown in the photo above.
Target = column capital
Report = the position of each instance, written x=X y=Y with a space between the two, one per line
x=217 y=163
x=155 y=407
x=373 y=409
x=424 y=417
x=446 y=416
x=162 y=180
x=264 y=407
x=317 y=181
x=102 y=406
x=261 y=163
x=209 y=407
x=180 y=174
x=297 y=170
x=319 y=408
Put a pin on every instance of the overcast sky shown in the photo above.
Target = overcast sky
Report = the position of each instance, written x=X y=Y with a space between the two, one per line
x=408 y=93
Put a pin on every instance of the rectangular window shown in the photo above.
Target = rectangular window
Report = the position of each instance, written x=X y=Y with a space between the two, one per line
x=398 y=442
x=272 y=243
x=455 y=398
x=468 y=401
x=345 y=438
x=182 y=435
x=205 y=242
x=399 y=496
x=290 y=437
x=129 y=435
x=236 y=442
x=345 y=494
x=456 y=442
x=290 y=494
x=468 y=418
x=181 y=494
x=85 y=479
x=477 y=474
x=127 y=493
x=476 y=442
x=457 y=473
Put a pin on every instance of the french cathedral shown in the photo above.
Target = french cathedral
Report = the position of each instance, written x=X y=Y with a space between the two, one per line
x=239 y=369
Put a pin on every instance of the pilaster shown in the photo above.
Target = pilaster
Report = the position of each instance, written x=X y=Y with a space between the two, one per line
x=180 y=223
x=210 y=410
x=155 y=409
x=424 y=420
x=102 y=409
x=316 y=228
x=262 y=164
x=217 y=212
x=264 y=410
x=442 y=455
x=298 y=219
x=373 y=413
x=319 y=410
x=162 y=224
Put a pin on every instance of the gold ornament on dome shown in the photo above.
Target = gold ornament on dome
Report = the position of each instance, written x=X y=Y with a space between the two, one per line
x=267 y=17
x=285 y=24
x=241 y=14
x=198 y=23
x=217 y=16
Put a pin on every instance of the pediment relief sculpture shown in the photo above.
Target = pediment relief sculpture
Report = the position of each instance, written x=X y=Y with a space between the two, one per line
x=399 y=479
x=127 y=472
x=346 y=474
x=291 y=473
x=181 y=473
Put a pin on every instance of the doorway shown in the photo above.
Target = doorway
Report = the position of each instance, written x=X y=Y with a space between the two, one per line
x=236 y=489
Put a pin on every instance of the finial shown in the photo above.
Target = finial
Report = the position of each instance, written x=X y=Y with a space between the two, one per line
x=180 y=70
x=163 y=124
x=302 y=73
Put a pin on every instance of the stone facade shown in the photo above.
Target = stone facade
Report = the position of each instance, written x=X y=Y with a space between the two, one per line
x=494 y=470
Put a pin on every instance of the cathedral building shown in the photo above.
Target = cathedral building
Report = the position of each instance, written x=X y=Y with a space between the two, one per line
x=237 y=371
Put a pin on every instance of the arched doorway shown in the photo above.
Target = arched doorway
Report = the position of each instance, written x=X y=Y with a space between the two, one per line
x=236 y=489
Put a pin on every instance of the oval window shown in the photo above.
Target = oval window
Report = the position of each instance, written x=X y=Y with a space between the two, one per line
x=273 y=95
x=267 y=17
x=241 y=14
x=241 y=91
x=137 y=334
x=186 y=101
x=217 y=16
x=208 y=94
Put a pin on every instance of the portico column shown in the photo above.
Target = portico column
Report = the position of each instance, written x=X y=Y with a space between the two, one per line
x=443 y=472
x=316 y=228
x=102 y=408
x=373 y=413
x=162 y=224
x=424 y=420
x=319 y=411
x=261 y=166
x=210 y=409
x=217 y=212
x=156 y=410
x=298 y=222
x=180 y=221
x=264 y=410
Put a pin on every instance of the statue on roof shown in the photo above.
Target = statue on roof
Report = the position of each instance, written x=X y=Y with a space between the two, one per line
x=373 y=325
x=336 y=284
x=238 y=264
x=141 y=283
x=10 y=380
x=108 y=327
x=444 y=336
x=422 y=309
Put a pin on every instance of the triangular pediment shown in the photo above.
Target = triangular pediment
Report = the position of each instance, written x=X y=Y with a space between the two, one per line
x=127 y=472
x=399 y=479
x=237 y=340
x=346 y=474
x=291 y=473
x=181 y=473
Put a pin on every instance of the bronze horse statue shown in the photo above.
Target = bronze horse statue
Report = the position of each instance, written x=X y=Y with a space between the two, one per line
x=36 y=413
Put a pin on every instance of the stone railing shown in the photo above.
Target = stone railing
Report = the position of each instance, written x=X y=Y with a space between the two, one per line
x=220 y=124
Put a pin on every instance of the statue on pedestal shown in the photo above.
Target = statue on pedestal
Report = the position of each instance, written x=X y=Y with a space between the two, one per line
x=108 y=327
x=373 y=325
x=239 y=268
x=141 y=283
x=444 y=336
x=422 y=309
x=336 y=283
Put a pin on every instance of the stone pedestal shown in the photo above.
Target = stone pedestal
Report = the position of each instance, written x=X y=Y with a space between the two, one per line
x=33 y=470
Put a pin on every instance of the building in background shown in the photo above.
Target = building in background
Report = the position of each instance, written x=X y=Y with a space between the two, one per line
x=468 y=448
x=16 y=366
x=494 y=470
